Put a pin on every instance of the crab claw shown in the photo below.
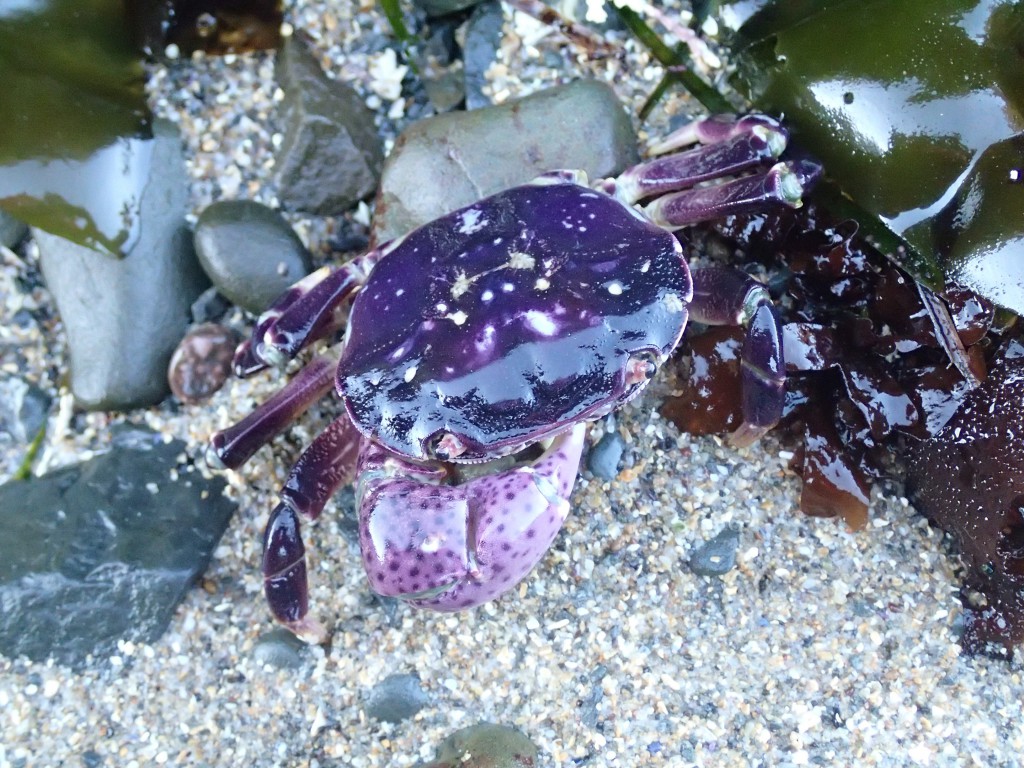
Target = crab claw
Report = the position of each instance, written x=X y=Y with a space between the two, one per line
x=451 y=547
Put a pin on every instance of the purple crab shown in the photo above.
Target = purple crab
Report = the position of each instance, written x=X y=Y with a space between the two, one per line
x=477 y=347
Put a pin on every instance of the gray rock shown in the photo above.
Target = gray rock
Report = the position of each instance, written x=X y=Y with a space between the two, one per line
x=209 y=307
x=12 y=230
x=103 y=550
x=451 y=160
x=717 y=556
x=249 y=252
x=483 y=35
x=124 y=316
x=331 y=155
x=444 y=7
x=280 y=649
x=485 y=745
x=23 y=409
x=396 y=698
x=606 y=456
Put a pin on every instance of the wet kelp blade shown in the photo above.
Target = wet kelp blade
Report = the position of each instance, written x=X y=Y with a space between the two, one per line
x=76 y=144
x=73 y=156
x=917 y=121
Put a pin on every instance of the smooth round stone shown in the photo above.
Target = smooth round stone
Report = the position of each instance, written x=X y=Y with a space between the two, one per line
x=606 y=456
x=280 y=649
x=396 y=698
x=717 y=556
x=250 y=253
x=485 y=745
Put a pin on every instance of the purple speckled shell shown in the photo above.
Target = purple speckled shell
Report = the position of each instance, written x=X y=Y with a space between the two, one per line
x=504 y=321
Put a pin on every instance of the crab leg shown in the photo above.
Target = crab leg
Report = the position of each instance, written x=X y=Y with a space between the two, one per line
x=734 y=154
x=451 y=547
x=231 y=447
x=724 y=296
x=307 y=311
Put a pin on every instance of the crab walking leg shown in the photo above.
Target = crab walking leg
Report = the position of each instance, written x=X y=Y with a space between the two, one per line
x=328 y=463
x=449 y=547
x=743 y=152
x=748 y=194
x=285 y=581
x=715 y=129
x=724 y=296
x=307 y=311
x=233 y=446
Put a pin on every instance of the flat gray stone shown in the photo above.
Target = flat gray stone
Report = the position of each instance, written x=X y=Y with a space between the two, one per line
x=104 y=550
x=396 y=698
x=451 y=160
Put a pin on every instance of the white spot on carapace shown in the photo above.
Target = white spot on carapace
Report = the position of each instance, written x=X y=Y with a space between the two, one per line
x=581 y=228
x=410 y=374
x=541 y=323
x=542 y=284
x=645 y=267
x=458 y=317
x=520 y=260
x=461 y=285
x=507 y=287
x=398 y=353
x=497 y=241
x=487 y=295
x=472 y=221
x=441 y=307
x=400 y=291
x=673 y=303
x=614 y=288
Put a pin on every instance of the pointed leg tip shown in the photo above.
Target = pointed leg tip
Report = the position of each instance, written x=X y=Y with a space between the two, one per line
x=747 y=434
x=308 y=630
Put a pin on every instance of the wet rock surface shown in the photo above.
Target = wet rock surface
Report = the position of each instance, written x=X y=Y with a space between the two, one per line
x=331 y=154
x=23 y=409
x=104 y=550
x=581 y=125
x=124 y=316
x=249 y=252
x=396 y=698
x=717 y=556
x=485 y=745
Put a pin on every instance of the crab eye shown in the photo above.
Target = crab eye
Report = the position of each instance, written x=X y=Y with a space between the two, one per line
x=445 y=446
x=641 y=367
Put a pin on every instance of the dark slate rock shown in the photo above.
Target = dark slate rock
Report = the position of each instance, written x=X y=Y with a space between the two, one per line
x=23 y=409
x=250 y=252
x=103 y=550
x=125 y=316
x=717 y=556
x=448 y=161
x=12 y=230
x=485 y=745
x=396 y=698
x=605 y=457
x=331 y=155
x=280 y=649
x=483 y=35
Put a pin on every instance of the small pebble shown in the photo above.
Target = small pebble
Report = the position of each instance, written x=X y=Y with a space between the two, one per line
x=606 y=456
x=202 y=362
x=396 y=698
x=280 y=649
x=717 y=556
